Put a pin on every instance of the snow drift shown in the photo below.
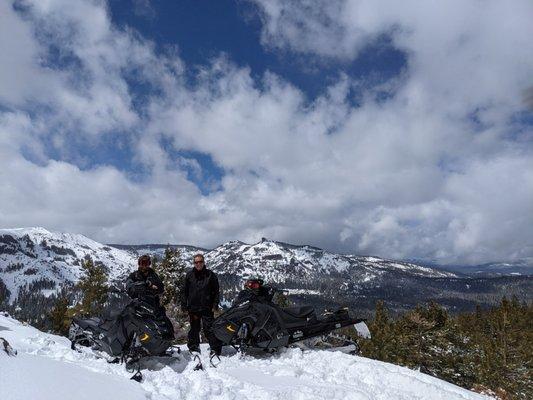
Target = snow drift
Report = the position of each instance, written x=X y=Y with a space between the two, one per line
x=46 y=369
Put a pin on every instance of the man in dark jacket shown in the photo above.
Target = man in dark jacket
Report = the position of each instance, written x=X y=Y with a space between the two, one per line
x=200 y=296
x=144 y=283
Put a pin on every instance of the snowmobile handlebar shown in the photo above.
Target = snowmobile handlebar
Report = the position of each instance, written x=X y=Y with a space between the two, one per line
x=124 y=288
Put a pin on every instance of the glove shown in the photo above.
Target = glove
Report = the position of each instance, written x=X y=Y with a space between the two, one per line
x=150 y=285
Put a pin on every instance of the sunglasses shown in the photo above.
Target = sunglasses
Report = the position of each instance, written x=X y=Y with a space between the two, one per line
x=199 y=262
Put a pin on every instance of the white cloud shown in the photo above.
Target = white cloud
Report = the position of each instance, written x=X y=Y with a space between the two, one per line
x=413 y=176
x=21 y=77
x=469 y=50
x=144 y=8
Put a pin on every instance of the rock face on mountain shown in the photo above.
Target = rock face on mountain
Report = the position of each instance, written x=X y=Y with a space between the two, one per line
x=36 y=261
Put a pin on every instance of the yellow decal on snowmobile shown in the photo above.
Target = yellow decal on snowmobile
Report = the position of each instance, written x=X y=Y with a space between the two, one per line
x=144 y=337
x=230 y=328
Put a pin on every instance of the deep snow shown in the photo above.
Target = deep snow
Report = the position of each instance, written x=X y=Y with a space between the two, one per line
x=46 y=369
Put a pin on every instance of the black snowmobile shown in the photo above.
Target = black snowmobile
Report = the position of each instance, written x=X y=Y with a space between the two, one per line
x=141 y=330
x=254 y=321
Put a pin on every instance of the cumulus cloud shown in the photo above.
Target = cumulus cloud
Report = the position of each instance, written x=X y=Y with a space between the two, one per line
x=433 y=172
x=21 y=77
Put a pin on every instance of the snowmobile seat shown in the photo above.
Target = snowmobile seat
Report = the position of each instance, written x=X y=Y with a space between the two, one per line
x=300 y=312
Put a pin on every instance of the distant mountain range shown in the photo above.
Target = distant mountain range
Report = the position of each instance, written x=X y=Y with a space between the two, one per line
x=515 y=268
x=37 y=261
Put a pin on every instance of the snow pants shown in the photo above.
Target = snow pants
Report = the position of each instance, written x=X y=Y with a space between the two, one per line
x=199 y=320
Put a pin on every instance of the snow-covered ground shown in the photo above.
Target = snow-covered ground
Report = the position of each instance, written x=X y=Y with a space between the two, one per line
x=46 y=369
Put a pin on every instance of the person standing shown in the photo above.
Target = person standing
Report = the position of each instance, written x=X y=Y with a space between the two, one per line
x=200 y=296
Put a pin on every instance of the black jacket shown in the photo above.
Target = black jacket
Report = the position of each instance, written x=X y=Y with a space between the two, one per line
x=139 y=285
x=200 y=291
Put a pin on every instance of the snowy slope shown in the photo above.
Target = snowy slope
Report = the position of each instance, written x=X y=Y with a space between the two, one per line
x=31 y=254
x=46 y=369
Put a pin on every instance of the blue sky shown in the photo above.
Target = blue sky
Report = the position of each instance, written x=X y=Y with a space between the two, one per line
x=202 y=30
x=399 y=130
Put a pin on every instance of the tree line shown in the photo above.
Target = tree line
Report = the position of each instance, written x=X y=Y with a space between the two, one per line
x=488 y=350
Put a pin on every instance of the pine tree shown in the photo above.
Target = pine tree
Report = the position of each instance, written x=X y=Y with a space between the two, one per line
x=94 y=289
x=59 y=316
x=172 y=271
x=381 y=346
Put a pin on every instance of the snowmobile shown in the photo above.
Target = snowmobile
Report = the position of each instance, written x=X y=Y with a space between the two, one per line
x=140 y=330
x=254 y=321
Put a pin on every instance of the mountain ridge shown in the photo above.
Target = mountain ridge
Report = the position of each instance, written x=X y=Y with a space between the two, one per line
x=40 y=261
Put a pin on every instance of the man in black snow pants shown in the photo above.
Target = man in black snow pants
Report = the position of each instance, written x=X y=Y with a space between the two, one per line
x=200 y=296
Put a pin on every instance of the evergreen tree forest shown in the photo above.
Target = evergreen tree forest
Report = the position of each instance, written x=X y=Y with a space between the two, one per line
x=487 y=350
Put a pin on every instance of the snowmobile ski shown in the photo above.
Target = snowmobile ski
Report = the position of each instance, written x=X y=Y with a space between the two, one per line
x=214 y=360
x=137 y=377
x=195 y=356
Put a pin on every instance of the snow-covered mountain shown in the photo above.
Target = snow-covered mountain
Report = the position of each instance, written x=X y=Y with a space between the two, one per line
x=29 y=255
x=35 y=260
x=32 y=255
x=278 y=262
x=46 y=368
